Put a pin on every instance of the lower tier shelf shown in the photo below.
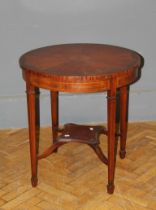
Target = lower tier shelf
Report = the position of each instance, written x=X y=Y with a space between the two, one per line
x=79 y=133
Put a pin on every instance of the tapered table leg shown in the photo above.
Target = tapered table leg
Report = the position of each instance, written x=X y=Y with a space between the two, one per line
x=31 y=98
x=111 y=106
x=54 y=113
x=123 y=120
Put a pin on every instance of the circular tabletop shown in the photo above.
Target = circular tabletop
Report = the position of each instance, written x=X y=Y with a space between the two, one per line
x=80 y=67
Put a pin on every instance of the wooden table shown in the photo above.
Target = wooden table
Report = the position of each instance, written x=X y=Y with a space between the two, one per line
x=80 y=68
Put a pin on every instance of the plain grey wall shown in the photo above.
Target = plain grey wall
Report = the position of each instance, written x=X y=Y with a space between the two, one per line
x=28 y=24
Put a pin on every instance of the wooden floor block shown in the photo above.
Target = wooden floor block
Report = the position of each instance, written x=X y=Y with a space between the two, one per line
x=74 y=178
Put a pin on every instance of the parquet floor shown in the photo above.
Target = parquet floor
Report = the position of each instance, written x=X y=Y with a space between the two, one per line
x=74 y=178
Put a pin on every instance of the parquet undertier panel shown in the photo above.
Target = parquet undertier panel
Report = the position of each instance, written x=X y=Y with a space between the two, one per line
x=74 y=178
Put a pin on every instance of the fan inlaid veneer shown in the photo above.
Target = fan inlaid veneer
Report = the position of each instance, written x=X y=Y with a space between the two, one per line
x=80 y=68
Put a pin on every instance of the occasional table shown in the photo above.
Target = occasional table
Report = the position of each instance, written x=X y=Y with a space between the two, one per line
x=80 y=68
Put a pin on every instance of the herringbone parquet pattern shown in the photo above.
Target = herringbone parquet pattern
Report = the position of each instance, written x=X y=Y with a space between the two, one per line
x=74 y=178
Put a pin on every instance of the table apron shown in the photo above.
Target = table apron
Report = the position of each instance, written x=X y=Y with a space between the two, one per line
x=78 y=86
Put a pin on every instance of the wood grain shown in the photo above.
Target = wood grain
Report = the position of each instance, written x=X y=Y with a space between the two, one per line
x=80 y=68
x=74 y=178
